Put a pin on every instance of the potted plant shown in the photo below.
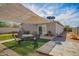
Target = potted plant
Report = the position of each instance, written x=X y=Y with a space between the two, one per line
x=49 y=33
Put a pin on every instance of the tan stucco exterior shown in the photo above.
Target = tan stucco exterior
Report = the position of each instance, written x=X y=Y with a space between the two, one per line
x=51 y=27
x=59 y=28
x=30 y=27
x=54 y=27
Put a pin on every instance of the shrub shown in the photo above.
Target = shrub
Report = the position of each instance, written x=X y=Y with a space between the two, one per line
x=49 y=33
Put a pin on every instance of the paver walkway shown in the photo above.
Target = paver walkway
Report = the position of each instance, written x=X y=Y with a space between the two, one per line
x=47 y=37
x=4 y=51
x=61 y=37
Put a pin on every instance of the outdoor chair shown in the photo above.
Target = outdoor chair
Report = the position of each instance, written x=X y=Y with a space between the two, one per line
x=17 y=39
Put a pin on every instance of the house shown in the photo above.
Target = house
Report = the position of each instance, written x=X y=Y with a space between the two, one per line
x=31 y=21
x=75 y=30
x=55 y=27
x=44 y=26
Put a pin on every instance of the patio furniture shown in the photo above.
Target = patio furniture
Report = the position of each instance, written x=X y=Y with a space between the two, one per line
x=27 y=35
x=20 y=36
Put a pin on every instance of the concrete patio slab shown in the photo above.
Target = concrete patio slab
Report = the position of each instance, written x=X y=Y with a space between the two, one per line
x=56 y=51
x=48 y=37
x=67 y=48
x=47 y=47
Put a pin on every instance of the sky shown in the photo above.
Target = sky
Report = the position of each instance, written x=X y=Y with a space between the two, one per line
x=66 y=13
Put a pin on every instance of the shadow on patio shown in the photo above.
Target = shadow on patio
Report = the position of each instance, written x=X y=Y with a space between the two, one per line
x=61 y=37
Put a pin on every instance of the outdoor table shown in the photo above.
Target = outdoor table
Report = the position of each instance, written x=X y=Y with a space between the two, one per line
x=27 y=35
x=24 y=36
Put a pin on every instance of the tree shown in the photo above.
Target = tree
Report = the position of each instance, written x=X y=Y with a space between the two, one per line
x=67 y=28
x=4 y=24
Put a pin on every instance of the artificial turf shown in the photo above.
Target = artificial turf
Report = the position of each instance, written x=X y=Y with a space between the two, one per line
x=26 y=47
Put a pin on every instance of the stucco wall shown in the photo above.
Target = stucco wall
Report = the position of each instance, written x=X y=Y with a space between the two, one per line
x=59 y=28
x=30 y=27
x=54 y=27
x=51 y=27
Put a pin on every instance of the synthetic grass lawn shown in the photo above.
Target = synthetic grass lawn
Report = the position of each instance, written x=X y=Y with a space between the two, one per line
x=5 y=36
x=26 y=47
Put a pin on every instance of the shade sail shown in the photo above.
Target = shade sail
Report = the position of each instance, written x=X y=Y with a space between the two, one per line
x=12 y=11
x=17 y=12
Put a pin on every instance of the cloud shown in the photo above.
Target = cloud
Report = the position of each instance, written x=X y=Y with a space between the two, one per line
x=65 y=15
x=45 y=10
x=36 y=9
